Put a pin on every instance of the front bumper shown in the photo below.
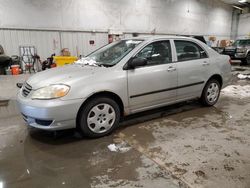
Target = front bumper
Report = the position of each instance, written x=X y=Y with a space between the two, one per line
x=51 y=115
x=236 y=56
x=240 y=55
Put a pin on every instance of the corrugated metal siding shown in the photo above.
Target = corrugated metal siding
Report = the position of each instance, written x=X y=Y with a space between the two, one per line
x=78 y=42
x=48 y=42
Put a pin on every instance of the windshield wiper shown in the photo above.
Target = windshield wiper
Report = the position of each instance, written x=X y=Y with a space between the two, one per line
x=103 y=64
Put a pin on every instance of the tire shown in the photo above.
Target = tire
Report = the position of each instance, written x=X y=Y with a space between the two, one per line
x=211 y=93
x=246 y=61
x=243 y=62
x=99 y=117
x=248 y=58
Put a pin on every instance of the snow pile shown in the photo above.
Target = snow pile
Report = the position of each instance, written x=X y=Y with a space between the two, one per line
x=86 y=61
x=121 y=148
x=243 y=76
x=237 y=91
x=113 y=147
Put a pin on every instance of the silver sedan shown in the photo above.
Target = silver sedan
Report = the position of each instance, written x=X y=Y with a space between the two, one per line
x=123 y=78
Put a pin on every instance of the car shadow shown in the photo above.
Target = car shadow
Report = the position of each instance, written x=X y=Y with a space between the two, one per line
x=71 y=135
x=160 y=112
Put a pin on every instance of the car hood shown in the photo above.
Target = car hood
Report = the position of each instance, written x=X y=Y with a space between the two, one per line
x=234 y=47
x=62 y=75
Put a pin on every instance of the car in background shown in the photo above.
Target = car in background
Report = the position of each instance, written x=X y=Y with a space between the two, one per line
x=122 y=78
x=240 y=50
x=4 y=61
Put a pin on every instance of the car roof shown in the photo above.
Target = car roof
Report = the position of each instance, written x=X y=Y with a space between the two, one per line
x=243 y=39
x=155 y=37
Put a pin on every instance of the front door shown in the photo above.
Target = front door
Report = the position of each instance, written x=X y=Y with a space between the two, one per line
x=156 y=82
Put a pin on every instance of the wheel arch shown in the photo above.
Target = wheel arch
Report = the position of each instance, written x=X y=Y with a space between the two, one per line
x=216 y=77
x=108 y=94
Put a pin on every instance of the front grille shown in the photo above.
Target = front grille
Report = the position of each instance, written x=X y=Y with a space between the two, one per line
x=26 y=89
x=229 y=52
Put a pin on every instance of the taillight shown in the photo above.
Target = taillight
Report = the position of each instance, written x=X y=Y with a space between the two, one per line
x=230 y=61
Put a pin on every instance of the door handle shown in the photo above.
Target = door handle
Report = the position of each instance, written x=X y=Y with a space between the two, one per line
x=205 y=63
x=171 y=69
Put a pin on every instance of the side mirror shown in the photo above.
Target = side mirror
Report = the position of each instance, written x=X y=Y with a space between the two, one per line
x=137 y=62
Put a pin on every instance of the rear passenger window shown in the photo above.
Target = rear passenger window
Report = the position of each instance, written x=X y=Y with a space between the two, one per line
x=187 y=50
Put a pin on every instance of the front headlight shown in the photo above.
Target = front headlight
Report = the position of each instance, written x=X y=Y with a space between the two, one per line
x=51 y=92
x=241 y=50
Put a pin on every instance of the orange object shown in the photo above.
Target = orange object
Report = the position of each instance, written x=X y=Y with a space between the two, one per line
x=15 y=69
x=52 y=65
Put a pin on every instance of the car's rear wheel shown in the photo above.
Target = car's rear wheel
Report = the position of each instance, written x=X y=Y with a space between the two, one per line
x=99 y=117
x=211 y=93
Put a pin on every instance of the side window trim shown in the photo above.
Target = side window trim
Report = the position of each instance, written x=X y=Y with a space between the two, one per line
x=174 y=52
x=194 y=42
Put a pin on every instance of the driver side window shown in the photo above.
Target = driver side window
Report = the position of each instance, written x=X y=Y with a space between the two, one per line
x=156 y=53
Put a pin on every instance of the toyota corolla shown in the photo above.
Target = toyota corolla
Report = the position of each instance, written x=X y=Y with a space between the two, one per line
x=123 y=78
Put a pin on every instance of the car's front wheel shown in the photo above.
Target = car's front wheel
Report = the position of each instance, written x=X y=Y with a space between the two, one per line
x=248 y=58
x=99 y=117
x=211 y=93
x=246 y=61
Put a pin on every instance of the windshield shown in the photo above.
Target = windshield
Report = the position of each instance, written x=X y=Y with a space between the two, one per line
x=241 y=43
x=111 y=54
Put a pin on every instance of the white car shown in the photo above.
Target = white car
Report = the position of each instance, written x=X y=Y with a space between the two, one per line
x=123 y=78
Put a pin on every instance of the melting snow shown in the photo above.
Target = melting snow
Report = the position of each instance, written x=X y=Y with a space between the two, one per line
x=86 y=61
x=121 y=148
x=243 y=76
x=237 y=91
x=112 y=147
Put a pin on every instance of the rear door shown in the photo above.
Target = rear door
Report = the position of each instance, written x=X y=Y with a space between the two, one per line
x=193 y=68
x=154 y=83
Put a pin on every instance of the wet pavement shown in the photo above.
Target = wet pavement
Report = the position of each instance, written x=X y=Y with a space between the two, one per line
x=184 y=145
x=33 y=158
